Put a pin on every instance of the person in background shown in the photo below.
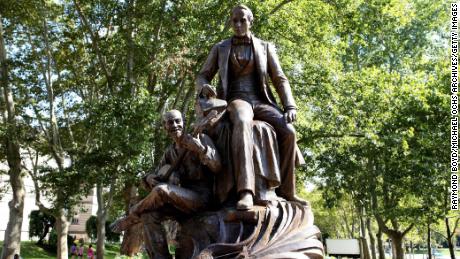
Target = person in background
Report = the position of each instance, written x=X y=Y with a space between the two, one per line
x=90 y=252
x=81 y=250
x=73 y=250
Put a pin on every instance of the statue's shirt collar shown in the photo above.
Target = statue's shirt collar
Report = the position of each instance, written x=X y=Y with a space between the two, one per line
x=246 y=40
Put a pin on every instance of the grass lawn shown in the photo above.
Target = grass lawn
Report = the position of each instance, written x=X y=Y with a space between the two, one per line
x=443 y=251
x=112 y=251
x=31 y=251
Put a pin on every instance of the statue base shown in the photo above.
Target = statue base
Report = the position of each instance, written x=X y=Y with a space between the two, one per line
x=280 y=229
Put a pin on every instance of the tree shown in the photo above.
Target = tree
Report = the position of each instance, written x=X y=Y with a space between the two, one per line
x=92 y=230
x=40 y=225
x=450 y=234
x=11 y=244
x=39 y=75
x=377 y=123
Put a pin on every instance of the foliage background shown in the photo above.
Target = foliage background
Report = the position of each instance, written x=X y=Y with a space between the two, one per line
x=370 y=79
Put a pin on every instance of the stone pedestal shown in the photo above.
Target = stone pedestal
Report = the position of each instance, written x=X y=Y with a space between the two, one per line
x=279 y=230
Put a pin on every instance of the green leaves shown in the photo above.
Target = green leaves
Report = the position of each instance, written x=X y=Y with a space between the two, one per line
x=377 y=122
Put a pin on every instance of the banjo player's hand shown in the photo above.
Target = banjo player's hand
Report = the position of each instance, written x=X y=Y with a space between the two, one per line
x=151 y=181
x=192 y=144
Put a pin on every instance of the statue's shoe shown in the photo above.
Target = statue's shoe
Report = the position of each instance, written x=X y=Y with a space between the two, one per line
x=246 y=202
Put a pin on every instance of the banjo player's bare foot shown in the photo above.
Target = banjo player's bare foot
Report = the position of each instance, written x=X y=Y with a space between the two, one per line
x=124 y=223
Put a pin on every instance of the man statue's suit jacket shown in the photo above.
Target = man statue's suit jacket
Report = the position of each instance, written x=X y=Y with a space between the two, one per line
x=267 y=65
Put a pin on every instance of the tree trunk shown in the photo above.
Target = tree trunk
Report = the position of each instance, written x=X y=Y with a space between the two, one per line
x=348 y=224
x=12 y=239
x=188 y=97
x=395 y=235
x=365 y=249
x=365 y=246
x=130 y=48
x=45 y=232
x=397 y=245
x=62 y=229
x=428 y=242
x=102 y=215
x=133 y=237
x=380 y=244
x=371 y=238
x=449 y=239
x=101 y=219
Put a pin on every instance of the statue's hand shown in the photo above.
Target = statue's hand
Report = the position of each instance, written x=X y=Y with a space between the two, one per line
x=151 y=181
x=208 y=91
x=192 y=144
x=174 y=179
x=290 y=115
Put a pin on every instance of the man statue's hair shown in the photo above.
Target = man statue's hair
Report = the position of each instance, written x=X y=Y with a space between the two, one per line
x=169 y=113
x=243 y=7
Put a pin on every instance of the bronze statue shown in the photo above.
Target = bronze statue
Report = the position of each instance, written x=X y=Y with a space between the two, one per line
x=245 y=63
x=265 y=155
x=247 y=158
x=182 y=186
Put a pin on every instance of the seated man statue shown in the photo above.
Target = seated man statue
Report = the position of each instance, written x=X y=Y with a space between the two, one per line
x=181 y=187
x=265 y=154
x=245 y=65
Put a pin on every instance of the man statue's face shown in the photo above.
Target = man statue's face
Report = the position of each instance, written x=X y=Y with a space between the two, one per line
x=174 y=124
x=241 y=22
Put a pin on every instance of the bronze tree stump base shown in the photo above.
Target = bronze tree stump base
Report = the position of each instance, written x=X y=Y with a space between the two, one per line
x=279 y=230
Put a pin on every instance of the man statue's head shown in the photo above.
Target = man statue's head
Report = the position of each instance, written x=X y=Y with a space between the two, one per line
x=173 y=123
x=241 y=20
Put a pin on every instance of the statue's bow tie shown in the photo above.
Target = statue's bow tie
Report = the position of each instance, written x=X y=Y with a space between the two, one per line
x=241 y=41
